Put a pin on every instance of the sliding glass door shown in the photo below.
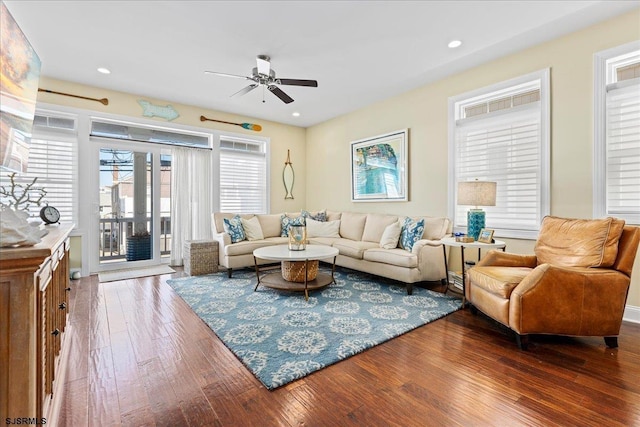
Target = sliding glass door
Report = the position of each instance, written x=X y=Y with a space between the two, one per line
x=133 y=222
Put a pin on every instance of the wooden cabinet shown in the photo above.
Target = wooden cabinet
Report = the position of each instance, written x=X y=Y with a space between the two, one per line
x=34 y=302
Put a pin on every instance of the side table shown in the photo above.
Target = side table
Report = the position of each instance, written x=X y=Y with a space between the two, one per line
x=200 y=257
x=451 y=241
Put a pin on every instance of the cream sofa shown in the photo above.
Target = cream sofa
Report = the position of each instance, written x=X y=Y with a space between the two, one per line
x=358 y=244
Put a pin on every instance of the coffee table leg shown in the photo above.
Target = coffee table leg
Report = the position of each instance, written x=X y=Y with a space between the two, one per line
x=333 y=269
x=306 y=269
x=255 y=261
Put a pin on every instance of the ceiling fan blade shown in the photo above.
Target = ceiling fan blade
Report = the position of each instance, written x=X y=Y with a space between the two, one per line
x=298 y=82
x=264 y=66
x=227 y=75
x=280 y=94
x=245 y=90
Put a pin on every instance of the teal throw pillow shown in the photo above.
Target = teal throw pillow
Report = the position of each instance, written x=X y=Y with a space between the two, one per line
x=320 y=216
x=411 y=232
x=233 y=227
x=287 y=221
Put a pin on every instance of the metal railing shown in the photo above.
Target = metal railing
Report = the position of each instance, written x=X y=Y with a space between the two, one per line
x=114 y=233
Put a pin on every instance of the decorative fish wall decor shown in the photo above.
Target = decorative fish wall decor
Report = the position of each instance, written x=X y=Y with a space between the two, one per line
x=166 y=112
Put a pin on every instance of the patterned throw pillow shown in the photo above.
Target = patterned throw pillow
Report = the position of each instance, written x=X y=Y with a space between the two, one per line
x=288 y=221
x=411 y=232
x=320 y=216
x=233 y=227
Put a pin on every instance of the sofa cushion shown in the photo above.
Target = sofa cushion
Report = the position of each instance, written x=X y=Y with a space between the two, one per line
x=326 y=241
x=317 y=216
x=352 y=225
x=412 y=231
x=218 y=219
x=391 y=236
x=579 y=242
x=252 y=228
x=352 y=248
x=246 y=247
x=233 y=227
x=375 y=226
x=332 y=215
x=435 y=228
x=323 y=229
x=271 y=225
x=499 y=281
x=398 y=257
x=287 y=221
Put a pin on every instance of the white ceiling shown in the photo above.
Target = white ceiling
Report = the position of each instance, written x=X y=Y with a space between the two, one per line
x=359 y=51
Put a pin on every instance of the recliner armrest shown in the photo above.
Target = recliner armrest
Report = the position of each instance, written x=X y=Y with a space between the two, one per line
x=504 y=259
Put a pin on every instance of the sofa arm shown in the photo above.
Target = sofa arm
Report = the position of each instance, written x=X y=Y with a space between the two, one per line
x=569 y=301
x=504 y=259
x=223 y=240
x=417 y=246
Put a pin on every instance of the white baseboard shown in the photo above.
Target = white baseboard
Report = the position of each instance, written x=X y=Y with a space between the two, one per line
x=631 y=314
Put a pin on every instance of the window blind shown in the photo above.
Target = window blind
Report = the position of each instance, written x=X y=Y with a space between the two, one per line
x=503 y=147
x=243 y=181
x=53 y=159
x=623 y=150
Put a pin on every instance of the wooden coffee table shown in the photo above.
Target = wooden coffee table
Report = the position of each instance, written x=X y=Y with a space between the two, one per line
x=282 y=253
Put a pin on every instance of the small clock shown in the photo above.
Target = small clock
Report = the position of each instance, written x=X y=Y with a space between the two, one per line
x=50 y=215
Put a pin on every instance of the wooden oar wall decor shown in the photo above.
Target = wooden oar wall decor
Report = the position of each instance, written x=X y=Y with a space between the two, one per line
x=103 y=101
x=249 y=126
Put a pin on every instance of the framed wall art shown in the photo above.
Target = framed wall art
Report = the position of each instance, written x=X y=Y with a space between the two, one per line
x=379 y=168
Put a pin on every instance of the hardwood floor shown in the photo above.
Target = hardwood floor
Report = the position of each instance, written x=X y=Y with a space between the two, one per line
x=139 y=356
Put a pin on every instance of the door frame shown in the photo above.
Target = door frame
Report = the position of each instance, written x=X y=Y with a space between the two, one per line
x=96 y=144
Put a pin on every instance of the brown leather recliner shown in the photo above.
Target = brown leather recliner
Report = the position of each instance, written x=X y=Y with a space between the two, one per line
x=576 y=283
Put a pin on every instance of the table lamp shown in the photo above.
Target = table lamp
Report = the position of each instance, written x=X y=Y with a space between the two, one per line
x=476 y=193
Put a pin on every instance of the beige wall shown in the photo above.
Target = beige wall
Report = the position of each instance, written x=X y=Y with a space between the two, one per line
x=424 y=112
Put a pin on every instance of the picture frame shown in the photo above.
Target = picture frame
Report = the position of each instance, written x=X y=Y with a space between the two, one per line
x=379 y=168
x=486 y=235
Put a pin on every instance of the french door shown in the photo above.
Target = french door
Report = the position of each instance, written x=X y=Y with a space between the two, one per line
x=132 y=224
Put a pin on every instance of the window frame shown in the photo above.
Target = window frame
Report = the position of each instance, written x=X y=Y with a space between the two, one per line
x=600 y=81
x=454 y=104
x=264 y=151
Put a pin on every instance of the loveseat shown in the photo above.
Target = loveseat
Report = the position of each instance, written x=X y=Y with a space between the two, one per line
x=365 y=241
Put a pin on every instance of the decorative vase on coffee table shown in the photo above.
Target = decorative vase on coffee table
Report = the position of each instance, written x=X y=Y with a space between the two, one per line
x=297 y=238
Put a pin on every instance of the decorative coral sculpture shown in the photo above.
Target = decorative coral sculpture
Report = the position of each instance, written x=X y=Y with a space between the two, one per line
x=18 y=196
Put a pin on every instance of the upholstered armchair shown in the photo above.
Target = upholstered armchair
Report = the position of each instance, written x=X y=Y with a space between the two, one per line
x=576 y=283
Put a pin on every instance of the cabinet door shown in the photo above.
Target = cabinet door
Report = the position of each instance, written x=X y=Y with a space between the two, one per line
x=43 y=344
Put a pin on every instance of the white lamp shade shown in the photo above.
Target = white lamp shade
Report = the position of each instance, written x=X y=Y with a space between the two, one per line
x=477 y=193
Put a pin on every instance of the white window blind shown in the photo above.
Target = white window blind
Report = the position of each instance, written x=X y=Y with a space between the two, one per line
x=500 y=134
x=623 y=150
x=616 y=178
x=53 y=159
x=243 y=180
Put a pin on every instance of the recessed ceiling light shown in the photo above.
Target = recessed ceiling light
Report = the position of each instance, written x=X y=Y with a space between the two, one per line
x=296 y=114
x=104 y=70
x=454 y=43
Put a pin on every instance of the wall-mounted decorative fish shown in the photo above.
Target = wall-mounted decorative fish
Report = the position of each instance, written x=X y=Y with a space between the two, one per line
x=166 y=112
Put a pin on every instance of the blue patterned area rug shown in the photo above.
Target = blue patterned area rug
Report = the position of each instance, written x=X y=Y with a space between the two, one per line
x=280 y=337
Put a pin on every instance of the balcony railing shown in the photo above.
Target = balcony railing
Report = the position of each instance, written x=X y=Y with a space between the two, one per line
x=114 y=233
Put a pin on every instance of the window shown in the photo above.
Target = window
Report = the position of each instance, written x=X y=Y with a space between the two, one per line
x=243 y=176
x=616 y=175
x=53 y=153
x=501 y=133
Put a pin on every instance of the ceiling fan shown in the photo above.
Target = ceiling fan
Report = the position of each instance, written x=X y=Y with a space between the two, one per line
x=263 y=75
